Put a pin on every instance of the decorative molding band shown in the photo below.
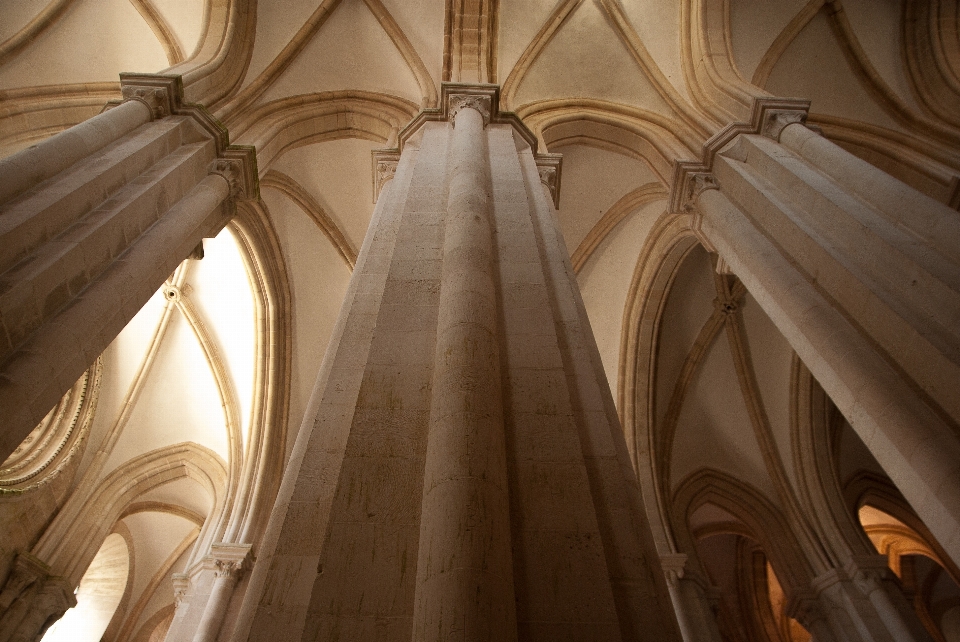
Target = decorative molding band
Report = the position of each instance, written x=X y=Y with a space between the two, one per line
x=549 y=166
x=484 y=98
x=478 y=101
x=55 y=442
x=163 y=95
x=231 y=171
x=770 y=117
x=228 y=559
x=385 y=163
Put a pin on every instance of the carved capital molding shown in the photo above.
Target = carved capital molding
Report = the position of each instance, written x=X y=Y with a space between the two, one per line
x=549 y=167
x=485 y=99
x=772 y=115
x=230 y=560
x=868 y=572
x=385 y=163
x=163 y=95
x=154 y=99
x=673 y=565
x=55 y=598
x=690 y=180
x=181 y=583
x=228 y=568
x=696 y=184
x=232 y=172
x=480 y=102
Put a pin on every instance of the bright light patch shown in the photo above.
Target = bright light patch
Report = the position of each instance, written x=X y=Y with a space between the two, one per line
x=98 y=596
x=222 y=295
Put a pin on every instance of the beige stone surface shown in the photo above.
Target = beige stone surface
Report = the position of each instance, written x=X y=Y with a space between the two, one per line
x=194 y=409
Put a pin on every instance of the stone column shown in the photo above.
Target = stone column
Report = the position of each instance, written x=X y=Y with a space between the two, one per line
x=460 y=472
x=464 y=571
x=50 y=157
x=874 y=579
x=695 y=614
x=807 y=611
x=839 y=271
x=229 y=561
x=124 y=198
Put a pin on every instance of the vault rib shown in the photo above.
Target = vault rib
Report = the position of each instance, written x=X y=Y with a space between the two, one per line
x=161 y=29
x=627 y=204
x=290 y=188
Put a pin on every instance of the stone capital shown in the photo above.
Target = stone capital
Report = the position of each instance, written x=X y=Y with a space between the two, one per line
x=805 y=609
x=163 y=95
x=181 y=583
x=55 y=597
x=696 y=184
x=868 y=572
x=549 y=167
x=230 y=560
x=673 y=565
x=385 y=163
x=777 y=120
x=772 y=115
x=480 y=103
x=454 y=97
x=231 y=172
x=242 y=173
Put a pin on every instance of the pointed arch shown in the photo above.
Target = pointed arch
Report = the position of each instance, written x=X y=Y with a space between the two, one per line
x=711 y=74
x=217 y=66
x=812 y=424
x=653 y=138
x=249 y=94
x=786 y=36
x=284 y=124
x=68 y=545
x=670 y=241
x=765 y=523
x=32 y=30
x=263 y=462
x=536 y=46
x=628 y=203
x=226 y=387
x=290 y=188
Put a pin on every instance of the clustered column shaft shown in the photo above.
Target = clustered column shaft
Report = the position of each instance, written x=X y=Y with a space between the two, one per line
x=464 y=584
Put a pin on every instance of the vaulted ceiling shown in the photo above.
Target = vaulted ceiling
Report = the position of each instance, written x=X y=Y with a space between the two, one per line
x=621 y=89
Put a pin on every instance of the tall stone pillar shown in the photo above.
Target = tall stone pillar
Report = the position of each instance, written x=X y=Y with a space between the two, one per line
x=464 y=570
x=696 y=611
x=91 y=223
x=460 y=473
x=861 y=274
